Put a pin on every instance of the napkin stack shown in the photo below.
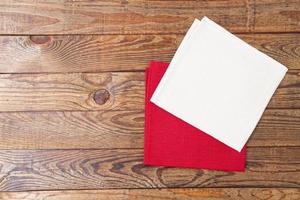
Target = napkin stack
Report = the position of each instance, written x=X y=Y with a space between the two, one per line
x=202 y=108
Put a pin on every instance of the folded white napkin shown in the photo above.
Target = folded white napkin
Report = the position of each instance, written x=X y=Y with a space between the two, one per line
x=218 y=83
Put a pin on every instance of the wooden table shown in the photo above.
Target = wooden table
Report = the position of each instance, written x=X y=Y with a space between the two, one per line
x=72 y=99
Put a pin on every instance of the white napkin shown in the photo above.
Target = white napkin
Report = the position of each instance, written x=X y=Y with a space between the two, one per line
x=218 y=83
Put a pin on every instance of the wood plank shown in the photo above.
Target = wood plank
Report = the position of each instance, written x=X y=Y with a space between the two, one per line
x=119 y=129
x=268 y=15
x=160 y=194
x=96 y=53
x=40 y=92
x=277 y=128
x=139 y=16
x=114 y=91
x=72 y=130
x=288 y=93
x=23 y=170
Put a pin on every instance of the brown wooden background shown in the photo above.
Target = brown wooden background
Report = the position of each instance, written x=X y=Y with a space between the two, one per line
x=63 y=137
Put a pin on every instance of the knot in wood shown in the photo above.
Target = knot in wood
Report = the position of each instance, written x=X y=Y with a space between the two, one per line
x=39 y=39
x=101 y=96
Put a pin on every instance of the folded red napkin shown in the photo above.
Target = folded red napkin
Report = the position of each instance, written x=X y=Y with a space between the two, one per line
x=169 y=141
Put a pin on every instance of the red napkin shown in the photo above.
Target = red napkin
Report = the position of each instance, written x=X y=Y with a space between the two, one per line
x=169 y=141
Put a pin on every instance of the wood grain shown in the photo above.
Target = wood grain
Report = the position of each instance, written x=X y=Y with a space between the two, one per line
x=23 y=170
x=277 y=128
x=268 y=15
x=160 y=194
x=98 y=53
x=72 y=130
x=40 y=92
x=143 y=17
x=288 y=93
x=76 y=91
x=119 y=129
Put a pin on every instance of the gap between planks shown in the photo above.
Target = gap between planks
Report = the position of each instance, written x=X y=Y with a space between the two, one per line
x=135 y=34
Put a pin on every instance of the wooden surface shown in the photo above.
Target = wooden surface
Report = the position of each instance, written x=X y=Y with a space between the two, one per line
x=72 y=99
x=143 y=17
x=98 y=53
x=161 y=194
x=123 y=168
